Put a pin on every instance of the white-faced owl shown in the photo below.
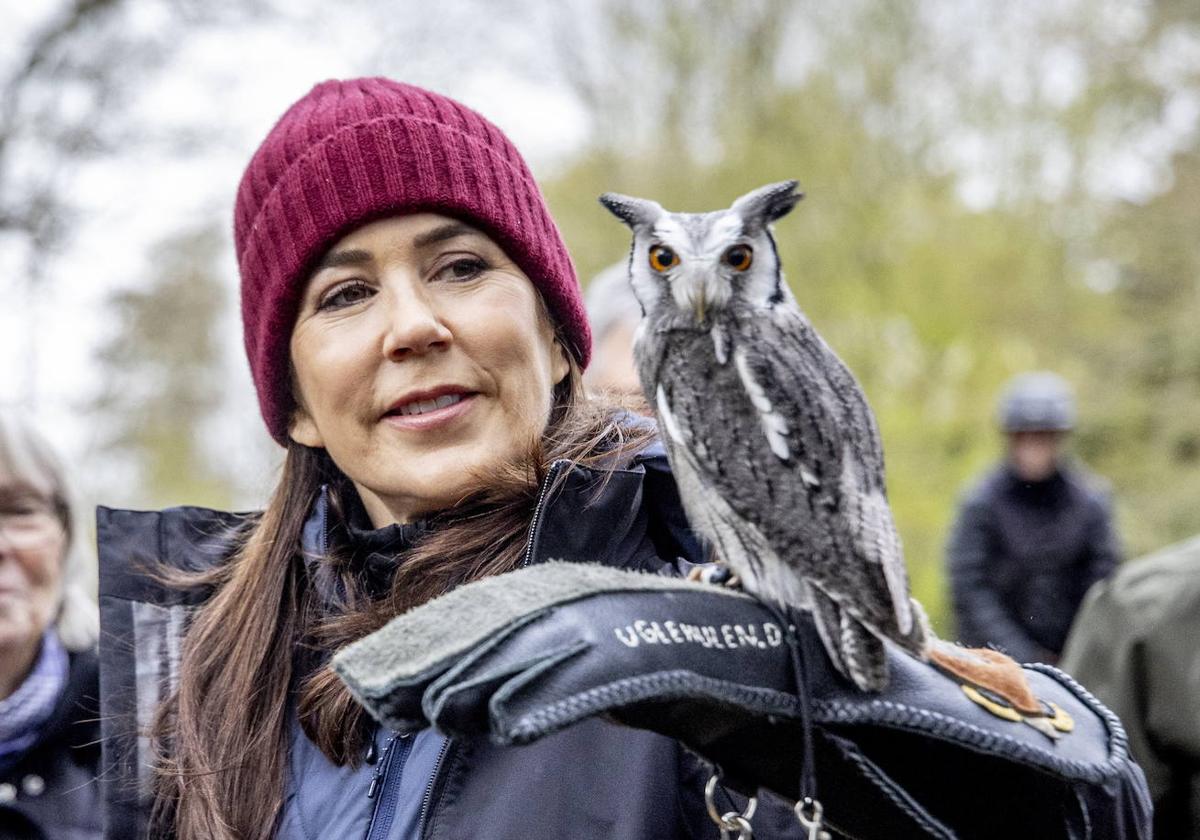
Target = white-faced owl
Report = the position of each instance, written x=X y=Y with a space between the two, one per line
x=775 y=450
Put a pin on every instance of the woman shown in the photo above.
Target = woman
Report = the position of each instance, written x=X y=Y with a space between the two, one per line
x=416 y=336
x=49 y=750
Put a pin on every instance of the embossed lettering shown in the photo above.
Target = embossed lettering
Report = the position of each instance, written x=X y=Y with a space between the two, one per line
x=629 y=641
x=714 y=641
x=659 y=636
x=746 y=636
x=644 y=631
x=708 y=636
x=773 y=633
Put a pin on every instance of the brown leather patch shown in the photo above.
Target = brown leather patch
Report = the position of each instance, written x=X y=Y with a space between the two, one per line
x=987 y=669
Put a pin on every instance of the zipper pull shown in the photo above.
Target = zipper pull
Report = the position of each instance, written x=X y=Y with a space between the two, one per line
x=380 y=767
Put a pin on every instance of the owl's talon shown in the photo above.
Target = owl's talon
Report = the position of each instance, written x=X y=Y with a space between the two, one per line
x=717 y=574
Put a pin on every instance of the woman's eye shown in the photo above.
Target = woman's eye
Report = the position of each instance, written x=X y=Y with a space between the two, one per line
x=347 y=294
x=21 y=510
x=463 y=269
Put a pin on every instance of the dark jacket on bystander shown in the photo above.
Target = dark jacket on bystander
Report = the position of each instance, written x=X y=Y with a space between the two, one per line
x=1021 y=557
x=51 y=791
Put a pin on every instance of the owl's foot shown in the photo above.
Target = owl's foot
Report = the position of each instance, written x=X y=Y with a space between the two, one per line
x=717 y=574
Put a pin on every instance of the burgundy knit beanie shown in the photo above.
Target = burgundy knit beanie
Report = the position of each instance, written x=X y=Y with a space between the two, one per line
x=353 y=151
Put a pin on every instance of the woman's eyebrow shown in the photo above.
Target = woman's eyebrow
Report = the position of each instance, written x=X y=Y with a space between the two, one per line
x=350 y=256
x=441 y=233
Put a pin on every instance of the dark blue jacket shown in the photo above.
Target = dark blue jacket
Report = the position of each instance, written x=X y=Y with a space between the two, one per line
x=1021 y=557
x=595 y=780
x=51 y=792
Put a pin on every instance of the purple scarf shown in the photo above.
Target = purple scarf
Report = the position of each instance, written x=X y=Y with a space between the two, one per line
x=24 y=712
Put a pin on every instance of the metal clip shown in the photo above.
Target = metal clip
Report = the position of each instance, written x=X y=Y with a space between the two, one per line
x=730 y=821
x=811 y=815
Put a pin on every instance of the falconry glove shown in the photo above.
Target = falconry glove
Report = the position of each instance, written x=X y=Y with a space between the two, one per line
x=938 y=754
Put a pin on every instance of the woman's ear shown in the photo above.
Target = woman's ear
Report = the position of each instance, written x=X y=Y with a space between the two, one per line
x=303 y=430
x=561 y=362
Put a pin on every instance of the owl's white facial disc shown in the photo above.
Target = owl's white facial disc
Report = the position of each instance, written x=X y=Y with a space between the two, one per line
x=703 y=281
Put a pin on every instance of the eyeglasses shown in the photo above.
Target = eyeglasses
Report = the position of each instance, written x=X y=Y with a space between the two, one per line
x=29 y=525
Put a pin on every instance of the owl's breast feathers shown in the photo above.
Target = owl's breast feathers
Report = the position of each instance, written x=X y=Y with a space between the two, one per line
x=782 y=433
x=781 y=412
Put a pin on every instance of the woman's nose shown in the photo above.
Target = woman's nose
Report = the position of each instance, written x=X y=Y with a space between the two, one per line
x=415 y=325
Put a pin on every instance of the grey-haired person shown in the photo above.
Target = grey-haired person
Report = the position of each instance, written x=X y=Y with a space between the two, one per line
x=49 y=732
x=614 y=313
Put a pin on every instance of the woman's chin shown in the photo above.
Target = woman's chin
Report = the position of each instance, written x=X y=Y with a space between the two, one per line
x=16 y=631
x=436 y=481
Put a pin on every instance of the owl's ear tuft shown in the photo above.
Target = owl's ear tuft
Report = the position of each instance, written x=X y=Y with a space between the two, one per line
x=767 y=204
x=635 y=212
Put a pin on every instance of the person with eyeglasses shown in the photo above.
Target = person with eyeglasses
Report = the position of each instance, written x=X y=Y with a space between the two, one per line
x=49 y=728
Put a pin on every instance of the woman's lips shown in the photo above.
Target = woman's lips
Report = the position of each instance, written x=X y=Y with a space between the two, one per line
x=435 y=419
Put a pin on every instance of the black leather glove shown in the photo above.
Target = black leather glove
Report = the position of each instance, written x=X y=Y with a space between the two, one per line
x=521 y=655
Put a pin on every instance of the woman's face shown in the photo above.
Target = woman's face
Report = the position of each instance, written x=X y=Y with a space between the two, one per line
x=32 y=543
x=421 y=357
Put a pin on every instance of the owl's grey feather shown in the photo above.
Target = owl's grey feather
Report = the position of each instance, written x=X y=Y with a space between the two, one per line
x=774 y=446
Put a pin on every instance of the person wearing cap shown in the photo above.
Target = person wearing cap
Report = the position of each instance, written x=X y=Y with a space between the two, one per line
x=1033 y=534
x=416 y=335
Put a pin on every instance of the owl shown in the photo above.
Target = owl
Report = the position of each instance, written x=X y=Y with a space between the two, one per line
x=774 y=447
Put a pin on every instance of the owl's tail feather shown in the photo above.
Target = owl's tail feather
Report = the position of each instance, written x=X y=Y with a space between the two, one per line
x=922 y=636
x=856 y=652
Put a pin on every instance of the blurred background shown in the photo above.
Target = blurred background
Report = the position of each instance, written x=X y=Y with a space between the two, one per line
x=992 y=187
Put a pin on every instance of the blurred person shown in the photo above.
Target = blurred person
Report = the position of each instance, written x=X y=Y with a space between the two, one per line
x=1033 y=534
x=417 y=336
x=49 y=733
x=1136 y=645
x=614 y=314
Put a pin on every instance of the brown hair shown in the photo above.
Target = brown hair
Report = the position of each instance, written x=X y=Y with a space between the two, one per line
x=263 y=637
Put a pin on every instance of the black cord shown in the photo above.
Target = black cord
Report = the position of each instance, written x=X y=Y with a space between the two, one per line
x=799 y=654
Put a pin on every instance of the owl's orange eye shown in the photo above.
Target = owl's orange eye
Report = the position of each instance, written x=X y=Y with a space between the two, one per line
x=663 y=258
x=739 y=257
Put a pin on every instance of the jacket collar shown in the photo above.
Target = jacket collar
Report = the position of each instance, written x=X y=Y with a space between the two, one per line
x=374 y=551
x=582 y=515
x=615 y=518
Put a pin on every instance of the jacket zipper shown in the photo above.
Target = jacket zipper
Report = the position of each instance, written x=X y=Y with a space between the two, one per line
x=385 y=807
x=551 y=474
x=427 y=799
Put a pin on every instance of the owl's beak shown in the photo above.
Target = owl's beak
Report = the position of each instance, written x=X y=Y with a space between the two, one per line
x=699 y=306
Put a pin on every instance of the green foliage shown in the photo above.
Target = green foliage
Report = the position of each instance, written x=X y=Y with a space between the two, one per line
x=163 y=370
x=1146 y=399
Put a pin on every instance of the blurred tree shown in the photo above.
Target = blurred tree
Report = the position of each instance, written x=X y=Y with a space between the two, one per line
x=1147 y=396
x=65 y=88
x=163 y=380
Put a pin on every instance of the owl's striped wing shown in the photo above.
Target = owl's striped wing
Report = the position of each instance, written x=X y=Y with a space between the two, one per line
x=783 y=436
